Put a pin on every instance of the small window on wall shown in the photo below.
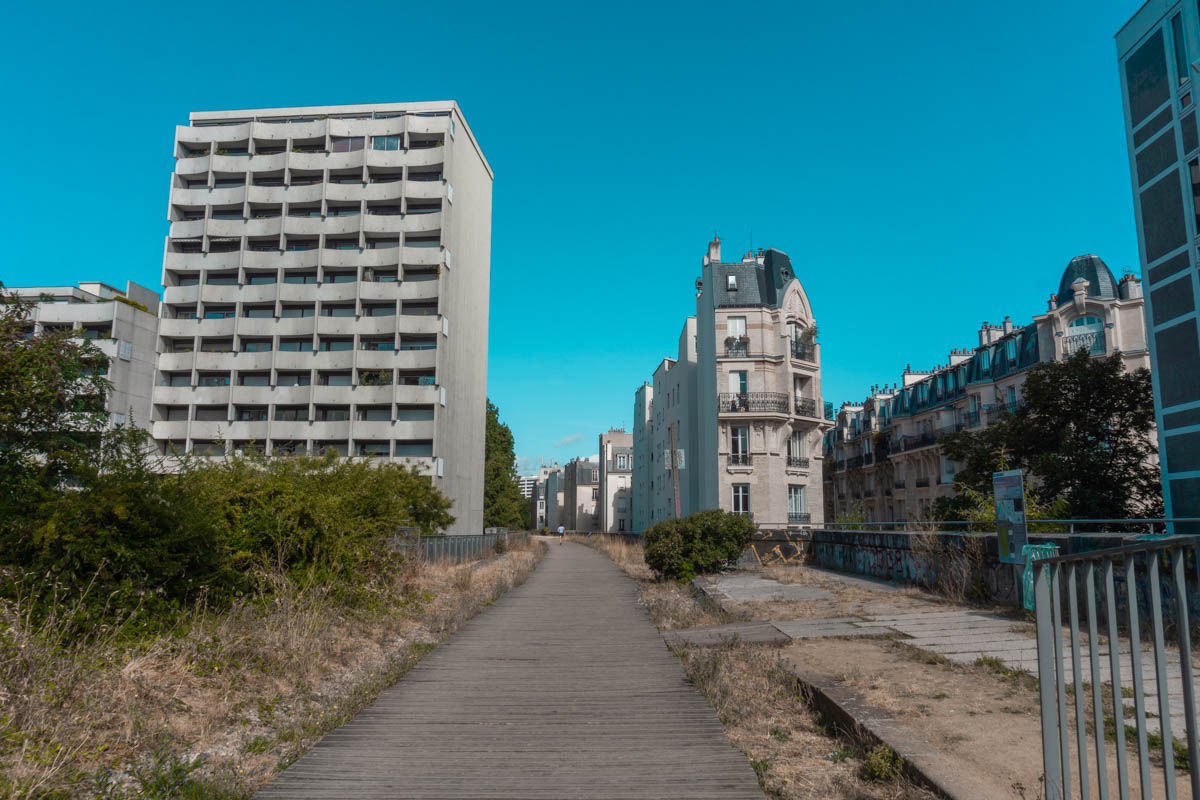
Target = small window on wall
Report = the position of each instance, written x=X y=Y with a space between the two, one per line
x=386 y=143
x=736 y=326
x=345 y=144
x=1181 y=59
x=731 y=283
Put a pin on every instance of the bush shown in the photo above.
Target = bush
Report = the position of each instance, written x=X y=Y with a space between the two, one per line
x=703 y=543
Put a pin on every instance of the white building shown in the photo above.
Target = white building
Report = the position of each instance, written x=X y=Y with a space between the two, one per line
x=326 y=284
x=739 y=414
x=616 y=481
x=122 y=324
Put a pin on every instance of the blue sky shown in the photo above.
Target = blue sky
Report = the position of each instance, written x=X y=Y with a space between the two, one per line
x=927 y=166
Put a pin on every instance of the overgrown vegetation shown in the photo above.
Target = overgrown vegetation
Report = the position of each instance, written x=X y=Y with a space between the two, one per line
x=705 y=542
x=1084 y=432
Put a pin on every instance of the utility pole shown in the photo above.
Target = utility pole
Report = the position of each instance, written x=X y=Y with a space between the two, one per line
x=674 y=470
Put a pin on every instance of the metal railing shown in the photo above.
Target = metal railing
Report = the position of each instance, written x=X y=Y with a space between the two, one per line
x=799 y=517
x=923 y=439
x=922 y=483
x=737 y=350
x=800 y=462
x=803 y=351
x=1092 y=342
x=456 y=549
x=740 y=459
x=772 y=402
x=806 y=406
x=1108 y=568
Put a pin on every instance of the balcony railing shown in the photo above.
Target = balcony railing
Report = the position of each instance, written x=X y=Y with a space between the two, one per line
x=1092 y=342
x=747 y=514
x=740 y=459
x=799 y=517
x=806 y=406
x=804 y=351
x=923 y=439
x=868 y=459
x=899 y=484
x=737 y=349
x=922 y=483
x=798 y=462
x=768 y=402
x=971 y=419
x=997 y=411
x=869 y=493
x=854 y=463
x=841 y=466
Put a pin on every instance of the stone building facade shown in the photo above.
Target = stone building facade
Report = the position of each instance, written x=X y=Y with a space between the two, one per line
x=616 y=481
x=581 y=495
x=883 y=461
x=739 y=414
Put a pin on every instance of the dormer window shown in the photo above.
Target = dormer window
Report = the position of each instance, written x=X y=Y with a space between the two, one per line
x=731 y=283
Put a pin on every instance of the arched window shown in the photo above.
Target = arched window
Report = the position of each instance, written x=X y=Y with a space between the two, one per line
x=1084 y=333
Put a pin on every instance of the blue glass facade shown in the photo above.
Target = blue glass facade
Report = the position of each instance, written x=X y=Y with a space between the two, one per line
x=1158 y=52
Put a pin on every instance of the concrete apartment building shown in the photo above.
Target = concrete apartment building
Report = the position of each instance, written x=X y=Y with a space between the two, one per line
x=616 y=481
x=739 y=414
x=326 y=284
x=1158 y=52
x=883 y=459
x=539 y=496
x=110 y=320
x=581 y=495
x=527 y=482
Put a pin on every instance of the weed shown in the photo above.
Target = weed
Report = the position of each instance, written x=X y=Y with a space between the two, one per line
x=259 y=744
x=882 y=764
x=838 y=756
x=781 y=734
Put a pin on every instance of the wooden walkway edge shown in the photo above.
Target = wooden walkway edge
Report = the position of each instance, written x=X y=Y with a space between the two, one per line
x=562 y=689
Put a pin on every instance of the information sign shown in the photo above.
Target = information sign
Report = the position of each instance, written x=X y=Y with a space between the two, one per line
x=1012 y=534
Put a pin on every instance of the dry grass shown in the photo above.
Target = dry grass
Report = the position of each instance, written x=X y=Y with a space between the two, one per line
x=229 y=697
x=794 y=752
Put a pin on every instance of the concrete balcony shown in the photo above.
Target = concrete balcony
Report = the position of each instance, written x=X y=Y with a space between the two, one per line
x=190 y=197
x=383 y=223
x=341 y=360
x=368 y=326
x=353 y=159
x=305 y=194
x=257 y=326
x=419 y=290
x=416 y=395
x=373 y=395
x=337 y=326
x=291 y=429
x=178 y=327
x=181 y=295
x=230 y=164
x=223 y=327
x=303 y=226
x=342 y=225
x=214 y=362
x=383 y=257
x=270 y=162
x=259 y=293
x=209 y=429
x=194 y=166
x=418 y=124
x=424 y=190
x=373 y=429
x=421 y=324
x=208 y=396
x=425 y=466
x=198 y=261
x=416 y=359
x=344 y=192
x=332 y=395
x=229 y=196
x=220 y=293
x=426 y=157
x=307 y=161
x=243 y=429
x=376 y=359
x=267 y=226
x=422 y=256
x=295 y=326
x=341 y=258
x=176 y=362
x=410 y=429
x=186 y=229
x=331 y=292
x=226 y=227
x=423 y=223
x=392 y=126
x=295 y=130
x=331 y=430
x=392 y=159
x=295 y=361
x=212 y=133
x=388 y=291
x=297 y=292
x=173 y=395
x=62 y=313
x=270 y=194
x=393 y=190
x=170 y=429
x=289 y=259
x=106 y=346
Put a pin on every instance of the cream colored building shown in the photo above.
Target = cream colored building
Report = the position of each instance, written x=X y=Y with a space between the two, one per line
x=123 y=331
x=883 y=460
x=581 y=495
x=616 y=481
x=739 y=414
x=326 y=284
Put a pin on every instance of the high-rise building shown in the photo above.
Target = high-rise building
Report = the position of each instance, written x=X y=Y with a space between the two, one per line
x=736 y=421
x=123 y=324
x=1158 y=52
x=326 y=289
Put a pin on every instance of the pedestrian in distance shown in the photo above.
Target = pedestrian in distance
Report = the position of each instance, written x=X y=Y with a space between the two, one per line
x=561 y=532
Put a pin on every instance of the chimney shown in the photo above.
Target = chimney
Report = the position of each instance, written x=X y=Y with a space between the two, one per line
x=1050 y=303
x=1008 y=326
x=714 y=250
x=983 y=334
x=1130 y=287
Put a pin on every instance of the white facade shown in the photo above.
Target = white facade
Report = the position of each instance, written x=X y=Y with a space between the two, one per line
x=326 y=284
x=124 y=332
x=739 y=414
x=616 y=481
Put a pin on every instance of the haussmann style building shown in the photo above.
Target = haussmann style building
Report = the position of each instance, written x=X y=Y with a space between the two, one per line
x=1159 y=56
x=736 y=420
x=326 y=282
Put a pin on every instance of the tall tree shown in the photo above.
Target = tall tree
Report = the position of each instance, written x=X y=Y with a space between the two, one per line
x=1085 y=432
x=503 y=505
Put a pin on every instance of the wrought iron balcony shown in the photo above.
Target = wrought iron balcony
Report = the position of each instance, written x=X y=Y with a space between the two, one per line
x=854 y=463
x=761 y=402
x=799 y=517
x=899 y=484
x=923 y=439
x=922 y=483
x=1092 y=342
x=806 y=406
x=869 y=493
x=971 y=419
x=798 y=462
x=740 y=459
x=747 y=514
x=868 y=459
x=999 y=410
x=737 y=348
x=804 y=351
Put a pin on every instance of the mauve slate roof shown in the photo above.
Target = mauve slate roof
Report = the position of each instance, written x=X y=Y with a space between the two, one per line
x=1095 y=271
x=757 y=284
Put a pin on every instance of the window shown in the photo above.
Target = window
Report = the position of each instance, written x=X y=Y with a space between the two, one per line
x=258 y=312
x=796 y=500
x=341 y=277
x=294 y=378
x=731 y=283
x=416 y=448
x=595 y=494
x=221 y=279
x=736 y=326
x=1012 y=396
x=300 y=277
x=621 y=522
x=125 y=350
x=387 y=143
x=178 y=379
x=1010 y=350
x=333 y=413
x=388 y=310
x=1181 y=59
x=374 y=449
x=298 y=345
x=251 y=413
x=739 y=441
x=329 y=345
x=260 y=278
x=737 y=382
x=345 y=144
x=254 y=379
x=337 y=311
x=334 y=379
x=291 y=413
x=212 y=380
x=741 y=498
x=796 y=445
x=375 y=413
x=256 y=345
x=292 y=312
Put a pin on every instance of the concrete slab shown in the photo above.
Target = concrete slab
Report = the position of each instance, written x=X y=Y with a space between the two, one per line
x=750 y=587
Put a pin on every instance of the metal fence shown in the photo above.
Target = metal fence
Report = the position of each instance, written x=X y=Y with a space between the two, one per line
x=457 y=549
x=1092 y=580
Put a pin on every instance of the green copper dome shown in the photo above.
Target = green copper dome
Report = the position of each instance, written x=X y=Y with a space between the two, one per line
x=1102 y=284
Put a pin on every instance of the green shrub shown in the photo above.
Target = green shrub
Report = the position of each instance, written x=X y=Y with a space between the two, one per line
x=703 y=543
x=882 y=764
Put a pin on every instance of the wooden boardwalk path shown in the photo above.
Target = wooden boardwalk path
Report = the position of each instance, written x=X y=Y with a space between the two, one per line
x=562 y=689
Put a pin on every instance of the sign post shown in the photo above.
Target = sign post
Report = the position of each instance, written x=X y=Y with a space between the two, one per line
x=1011 y=531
